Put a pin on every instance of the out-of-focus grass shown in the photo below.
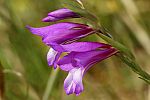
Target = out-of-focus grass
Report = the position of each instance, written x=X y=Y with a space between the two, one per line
x=25 y=75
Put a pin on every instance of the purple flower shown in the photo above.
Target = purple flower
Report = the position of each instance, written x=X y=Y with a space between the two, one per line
x=60 y=14
x=81 y=55
x=77 y=63
x=60 y=33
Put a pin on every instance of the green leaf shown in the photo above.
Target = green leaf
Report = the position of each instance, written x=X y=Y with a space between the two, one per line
x=135 y=67
x=117 y=45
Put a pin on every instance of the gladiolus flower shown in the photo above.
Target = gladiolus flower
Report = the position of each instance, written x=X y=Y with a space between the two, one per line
x=81 y=55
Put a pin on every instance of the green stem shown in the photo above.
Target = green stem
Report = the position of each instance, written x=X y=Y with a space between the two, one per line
x=135 y=67
x=116 y=44
x=50 y=83
x=127 y=57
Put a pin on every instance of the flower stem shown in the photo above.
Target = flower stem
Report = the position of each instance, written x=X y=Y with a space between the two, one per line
x=127 y=57
x=50 y=83
x=135 y=67
x=116 y=44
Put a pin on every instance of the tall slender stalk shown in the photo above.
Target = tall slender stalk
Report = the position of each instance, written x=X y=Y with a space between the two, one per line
x=124 y=56
x=50 y=84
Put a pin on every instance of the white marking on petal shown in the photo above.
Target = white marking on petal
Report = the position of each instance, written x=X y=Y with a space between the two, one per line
x=51 y=56
x=77 y=77
x=73 y=82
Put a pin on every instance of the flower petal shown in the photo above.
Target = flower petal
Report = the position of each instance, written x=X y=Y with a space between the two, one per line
x=66 y=64
x=50 y=19
x=68 y=84
x=61 y=32
x=86 y=59
x=80 y=46
x=60 y=14
x=66 y=67
x=52 y=57
x=78 y=89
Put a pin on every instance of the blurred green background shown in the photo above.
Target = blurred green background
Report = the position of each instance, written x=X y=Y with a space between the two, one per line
x=25 y=75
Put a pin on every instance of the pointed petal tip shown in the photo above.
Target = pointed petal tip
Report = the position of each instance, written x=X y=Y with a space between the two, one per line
x=50 y=65
x=31 y=29
x=77 y=94
x=46 y=19
x=78 y=90
x=55 y=66
x=58 y=11
x=50 y=19
x=68 y=93
x=28 y=27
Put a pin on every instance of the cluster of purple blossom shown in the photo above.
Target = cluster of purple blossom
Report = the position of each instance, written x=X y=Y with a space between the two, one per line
x=62 y=37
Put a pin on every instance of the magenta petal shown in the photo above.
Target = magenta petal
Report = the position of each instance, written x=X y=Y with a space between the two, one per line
x=61 y=32
x=89 y=58
x=64 y=12
x=60 y=14
x=65 y=63
x=80 y=46
x=86 y=59
x=49 y=19
x=92 y=57
x=66 y=67
x=67 y=33
x=42 y=31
